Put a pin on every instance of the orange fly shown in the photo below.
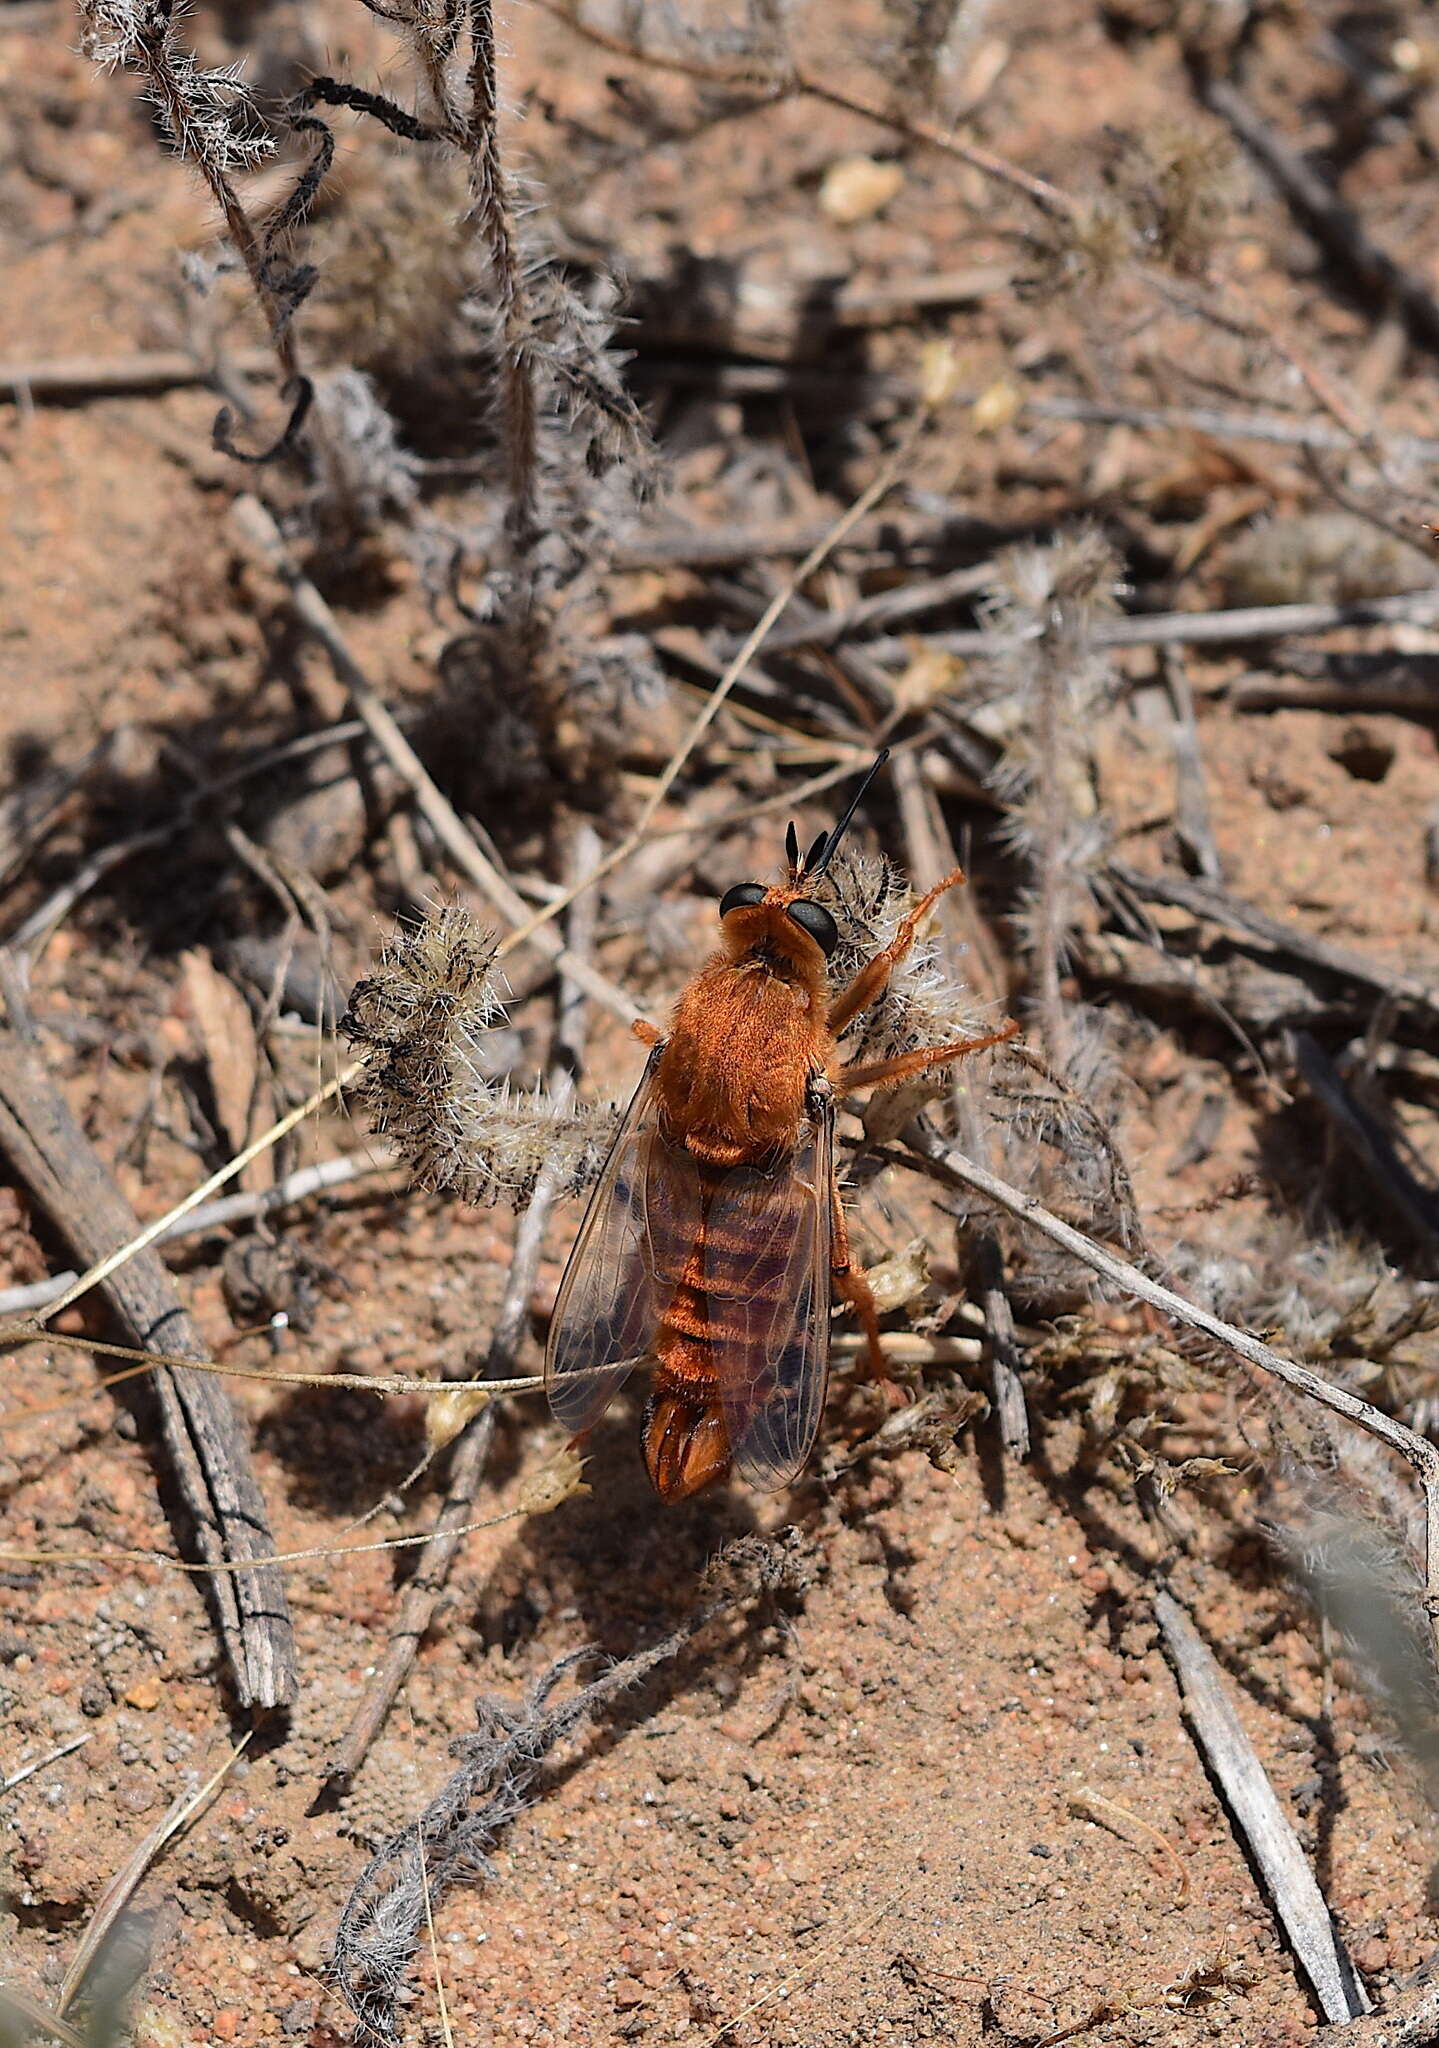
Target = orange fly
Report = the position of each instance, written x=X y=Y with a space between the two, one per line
x=712 y=1239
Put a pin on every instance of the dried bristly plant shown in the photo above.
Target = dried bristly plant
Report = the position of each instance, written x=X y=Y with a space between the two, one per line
x=423 y=1015
x=922 y=1005
x=1337 y=1304
x=1057 y=1134
x=574 y=451
x=1332 y=556
x=1168 y=199
x=549 y=345
x=1052 y=1135
x=210 y=119
x=399 y=265
x=361 y=476
x=498 y=1776
x=1047 y=602
x=1335 y=1508
x=1358 y=1560
x=1181 y=183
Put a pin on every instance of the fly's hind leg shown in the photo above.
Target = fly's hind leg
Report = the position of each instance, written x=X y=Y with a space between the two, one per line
x=869 y=984
x=852 y=1286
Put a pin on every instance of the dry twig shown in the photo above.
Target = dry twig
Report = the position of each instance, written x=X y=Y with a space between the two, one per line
x=1262 y=1821
x=207 y=1445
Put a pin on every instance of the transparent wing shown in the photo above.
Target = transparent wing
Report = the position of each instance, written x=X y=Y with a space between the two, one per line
x=605 y=1314
x=766 y=1250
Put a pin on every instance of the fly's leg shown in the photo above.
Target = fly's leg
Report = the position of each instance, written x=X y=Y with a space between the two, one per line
x=647 y=1033
x=904 y=1066
x=852 y=1286
x=870 y=982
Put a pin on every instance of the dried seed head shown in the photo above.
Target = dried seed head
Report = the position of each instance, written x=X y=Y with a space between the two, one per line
x=560 y=1479
x=922 y=1006
x=209 y=116
x=424 y=1013
x=1181 y=184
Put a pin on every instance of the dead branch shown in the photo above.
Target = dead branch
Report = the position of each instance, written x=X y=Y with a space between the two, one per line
x=206 y=1442
x=1216 y=906
x=901 y=534
x=218 y=1215
x=1201 y=629
x=138 y=375
x=1261 y=1821
x=1192 y=800
x=1370 y=1145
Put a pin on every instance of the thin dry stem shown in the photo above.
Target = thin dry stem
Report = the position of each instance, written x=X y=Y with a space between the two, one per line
x=734 y=669
x=931 y=1154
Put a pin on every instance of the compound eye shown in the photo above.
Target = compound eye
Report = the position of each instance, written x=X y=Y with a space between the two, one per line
x=742 y=897
x=816 y=920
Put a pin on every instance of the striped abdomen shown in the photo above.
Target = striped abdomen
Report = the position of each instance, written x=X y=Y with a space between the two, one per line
x=734 y=1295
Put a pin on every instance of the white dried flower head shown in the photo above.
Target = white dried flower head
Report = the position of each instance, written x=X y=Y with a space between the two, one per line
x=110 y=31
x=423 y=1013
x=1333 y=556
x=1046 y=604
x=362 y=474
x=922 y=1006
x=208 y=116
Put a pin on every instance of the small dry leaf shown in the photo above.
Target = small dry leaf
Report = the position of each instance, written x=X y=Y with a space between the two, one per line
x=226 y=1033
x=996 y=406
x=938 y=374
x=896 y=1282
x=929 y=674
x=448 y=1412
x=857 y=188
x=557 y=1481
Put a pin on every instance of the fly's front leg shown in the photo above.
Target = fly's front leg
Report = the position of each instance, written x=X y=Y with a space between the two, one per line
x=869 y=983
x=905 y=1065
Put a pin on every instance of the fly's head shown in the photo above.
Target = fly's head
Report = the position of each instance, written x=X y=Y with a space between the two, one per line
x=782 y=926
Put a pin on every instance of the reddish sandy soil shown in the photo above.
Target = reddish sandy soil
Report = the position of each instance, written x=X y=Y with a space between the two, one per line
x=942 y=1789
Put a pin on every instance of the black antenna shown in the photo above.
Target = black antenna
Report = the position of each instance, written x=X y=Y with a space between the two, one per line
x=791 y=845
x=829 y=845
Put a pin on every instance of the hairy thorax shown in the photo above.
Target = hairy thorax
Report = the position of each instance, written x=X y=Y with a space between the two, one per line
x=747 y=1037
